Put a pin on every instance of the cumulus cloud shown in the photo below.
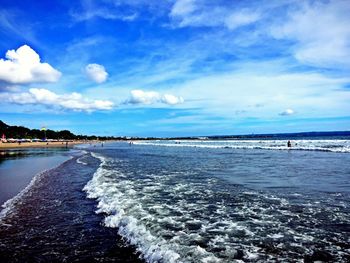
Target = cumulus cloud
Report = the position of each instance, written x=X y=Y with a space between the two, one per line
x=96 y=73
x=23 y=66
x=171 y=99
x=152 y=97
x=73 y=101
x=287 y=112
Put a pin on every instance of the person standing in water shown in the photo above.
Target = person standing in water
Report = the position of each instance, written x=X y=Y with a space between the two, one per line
x=289 y=144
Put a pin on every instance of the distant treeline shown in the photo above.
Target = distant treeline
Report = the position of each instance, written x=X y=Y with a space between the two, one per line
x=20 y=132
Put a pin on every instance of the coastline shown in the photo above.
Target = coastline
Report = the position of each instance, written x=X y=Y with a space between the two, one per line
x=23 y=185
x=5 y=146
x=56 y=205
x=18 y=170
x=53 y=204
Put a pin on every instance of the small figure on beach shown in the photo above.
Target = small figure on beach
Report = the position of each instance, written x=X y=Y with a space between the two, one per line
x=289 y=144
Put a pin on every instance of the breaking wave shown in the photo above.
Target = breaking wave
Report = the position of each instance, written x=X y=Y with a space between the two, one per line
x=185 y=216
x=112 y=203
x=340 y=146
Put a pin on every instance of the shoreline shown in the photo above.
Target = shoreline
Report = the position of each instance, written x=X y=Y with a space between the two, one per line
x=26 y=184
x=18 y=173
x=6 y=146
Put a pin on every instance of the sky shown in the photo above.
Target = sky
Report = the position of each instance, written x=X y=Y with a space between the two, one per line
x=175 y=67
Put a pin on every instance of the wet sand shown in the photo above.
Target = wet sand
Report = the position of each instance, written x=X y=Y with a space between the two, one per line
x=17 y=171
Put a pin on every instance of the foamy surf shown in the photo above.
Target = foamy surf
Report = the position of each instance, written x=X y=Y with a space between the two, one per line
x=185 y=205
x=80 y=160
x=152 y=248
x=140 y=227
x=179 y=215
x=339 y=146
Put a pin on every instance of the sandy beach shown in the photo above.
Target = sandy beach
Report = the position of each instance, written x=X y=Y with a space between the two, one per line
x=38 y=144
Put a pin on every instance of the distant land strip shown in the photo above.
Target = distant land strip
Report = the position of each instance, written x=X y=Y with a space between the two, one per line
x=20 y=132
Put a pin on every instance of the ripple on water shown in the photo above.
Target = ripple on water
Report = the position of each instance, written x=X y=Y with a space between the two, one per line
x=191 y=217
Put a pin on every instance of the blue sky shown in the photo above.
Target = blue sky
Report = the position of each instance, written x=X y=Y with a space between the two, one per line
x=175 y=68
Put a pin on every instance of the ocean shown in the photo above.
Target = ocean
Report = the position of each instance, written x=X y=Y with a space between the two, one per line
x=186 y=201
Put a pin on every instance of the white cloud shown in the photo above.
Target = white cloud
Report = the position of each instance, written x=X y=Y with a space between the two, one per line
x=73 y=101
x=96 y=73
x=317 y=32
x=152 y=97
x=108 y=10
x=207 y=14
x=171 y=99
x=269 y=85
x=23 y=66
x=321 y=31
x=287 y=112
x=183 y=7
x=103 y=13
x=143 y=97
x=242 y=18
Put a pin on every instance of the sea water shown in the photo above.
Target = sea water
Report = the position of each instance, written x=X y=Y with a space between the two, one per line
x=18 y=167
x=189 y=201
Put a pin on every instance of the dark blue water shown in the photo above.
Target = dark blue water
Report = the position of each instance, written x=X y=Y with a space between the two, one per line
x=185 y=204
x=54 y=222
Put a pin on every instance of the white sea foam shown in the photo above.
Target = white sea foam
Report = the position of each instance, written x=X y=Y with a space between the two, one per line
x=178 y=215
x=83 y=154
x=79 y=160
x=341 y=146
x=153 y=249
x=144 y=222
